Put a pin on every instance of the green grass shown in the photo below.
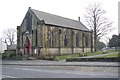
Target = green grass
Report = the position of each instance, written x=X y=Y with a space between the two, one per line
x=0 y=56
x=65 y=56
x=94 y=53
x=112 y=55
x=109 y=55
x=112 y=51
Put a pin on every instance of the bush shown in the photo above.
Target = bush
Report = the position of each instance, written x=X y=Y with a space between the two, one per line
x=56 y=59
x=4 y=56
x=11 y=55
x=48 y=57
x=16 y=57
x=80 y=55
x=104 y=52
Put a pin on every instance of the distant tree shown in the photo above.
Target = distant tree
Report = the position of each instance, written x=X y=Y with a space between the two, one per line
x=10 y=36
x=99 y=24
x=119 y=41
x=114 y=41
x=100 y=45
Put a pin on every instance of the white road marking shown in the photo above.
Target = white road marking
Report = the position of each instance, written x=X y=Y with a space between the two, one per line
x=48 y=71
x=55 y=71
x=104 y=71
x=6 y=67
x=92 y=69
x=8 y=76
x=96 y=67
x=108 y=69
x=59 y=71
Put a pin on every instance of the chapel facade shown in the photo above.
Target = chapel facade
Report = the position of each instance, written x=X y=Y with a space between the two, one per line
x=41 y=33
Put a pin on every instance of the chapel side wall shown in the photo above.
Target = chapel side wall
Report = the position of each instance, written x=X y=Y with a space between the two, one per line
x=54 y=49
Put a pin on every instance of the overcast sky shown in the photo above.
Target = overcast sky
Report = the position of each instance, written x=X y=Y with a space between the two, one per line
x=12 y=12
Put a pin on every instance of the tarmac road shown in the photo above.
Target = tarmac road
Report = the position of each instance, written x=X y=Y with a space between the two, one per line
x=16 y=71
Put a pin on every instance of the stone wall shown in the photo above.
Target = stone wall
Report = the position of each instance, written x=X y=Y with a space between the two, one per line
x=55 y=51
x=55 y=37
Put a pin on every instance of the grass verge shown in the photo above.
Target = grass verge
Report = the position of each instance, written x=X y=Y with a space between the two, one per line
x=112 y=55
x=65 y=56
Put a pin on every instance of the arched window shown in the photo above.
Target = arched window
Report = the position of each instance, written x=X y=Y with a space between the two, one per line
x=49 y=38
x=65 y=40
x=86 y=40
x=52 y=39
x=77 y=40
x=29 y=22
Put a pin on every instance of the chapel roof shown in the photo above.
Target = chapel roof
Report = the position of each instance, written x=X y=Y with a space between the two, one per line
x=58 y=20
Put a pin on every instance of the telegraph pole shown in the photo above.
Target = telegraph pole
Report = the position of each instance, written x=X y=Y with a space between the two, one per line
x=1 y=45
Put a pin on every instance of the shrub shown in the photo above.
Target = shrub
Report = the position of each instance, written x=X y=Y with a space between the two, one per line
x=17 y=57
x=11 y=55
x=4 y=56
x=104 y=52
x=56 y=59
x=48 y=57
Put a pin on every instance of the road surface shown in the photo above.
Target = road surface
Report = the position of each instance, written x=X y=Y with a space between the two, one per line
x=16 y=71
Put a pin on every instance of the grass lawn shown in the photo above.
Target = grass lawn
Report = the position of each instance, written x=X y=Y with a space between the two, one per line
x=65 y=56
x=94 y=53
x=109 y=55
x=0 y=56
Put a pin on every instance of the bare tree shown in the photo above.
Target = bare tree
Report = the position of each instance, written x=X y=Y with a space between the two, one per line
x=10 y=36
x=95 y=19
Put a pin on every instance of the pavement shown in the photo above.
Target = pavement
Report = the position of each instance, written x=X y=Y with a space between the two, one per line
x=59 y=63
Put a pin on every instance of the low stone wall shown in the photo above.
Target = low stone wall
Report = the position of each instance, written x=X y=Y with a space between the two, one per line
x=116 y=59
x=55 y=51
x=10 y=51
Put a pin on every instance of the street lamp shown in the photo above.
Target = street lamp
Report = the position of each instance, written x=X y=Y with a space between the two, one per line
x=1 y=45
x=6 y=44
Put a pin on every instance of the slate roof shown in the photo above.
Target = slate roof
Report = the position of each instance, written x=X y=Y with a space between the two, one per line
x=58 y=20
